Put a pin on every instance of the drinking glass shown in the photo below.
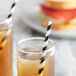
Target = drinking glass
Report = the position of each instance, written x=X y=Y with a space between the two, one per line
x=6 y=38
x=29 y=52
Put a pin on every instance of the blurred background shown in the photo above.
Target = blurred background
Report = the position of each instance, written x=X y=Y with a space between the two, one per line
x=27 y=23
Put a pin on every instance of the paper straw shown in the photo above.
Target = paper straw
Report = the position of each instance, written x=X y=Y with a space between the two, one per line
x=12 y=9
x=8 y=20
x=42 y=59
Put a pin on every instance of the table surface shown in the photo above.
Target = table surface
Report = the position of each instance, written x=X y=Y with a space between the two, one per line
x=65 y=53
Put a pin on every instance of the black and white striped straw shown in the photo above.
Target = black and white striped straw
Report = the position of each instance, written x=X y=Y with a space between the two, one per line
x=11 y=12
x=12 y=9
x=42 y=59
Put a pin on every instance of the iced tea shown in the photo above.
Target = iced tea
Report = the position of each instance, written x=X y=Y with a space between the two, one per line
x=6 y=52
x=28 y=58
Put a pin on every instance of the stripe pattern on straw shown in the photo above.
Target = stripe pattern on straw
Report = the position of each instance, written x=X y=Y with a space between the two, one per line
x=42 y=59
x=12 y=9
x=7 y=21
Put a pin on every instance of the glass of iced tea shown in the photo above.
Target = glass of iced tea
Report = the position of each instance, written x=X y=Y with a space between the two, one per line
x=6 y=36
x=28 y=57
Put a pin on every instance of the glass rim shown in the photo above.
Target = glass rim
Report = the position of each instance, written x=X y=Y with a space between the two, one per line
x=6 y=20
x=32 y=38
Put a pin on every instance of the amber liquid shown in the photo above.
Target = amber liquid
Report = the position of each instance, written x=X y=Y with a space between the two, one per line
x=30 y=67
x=6 y=53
